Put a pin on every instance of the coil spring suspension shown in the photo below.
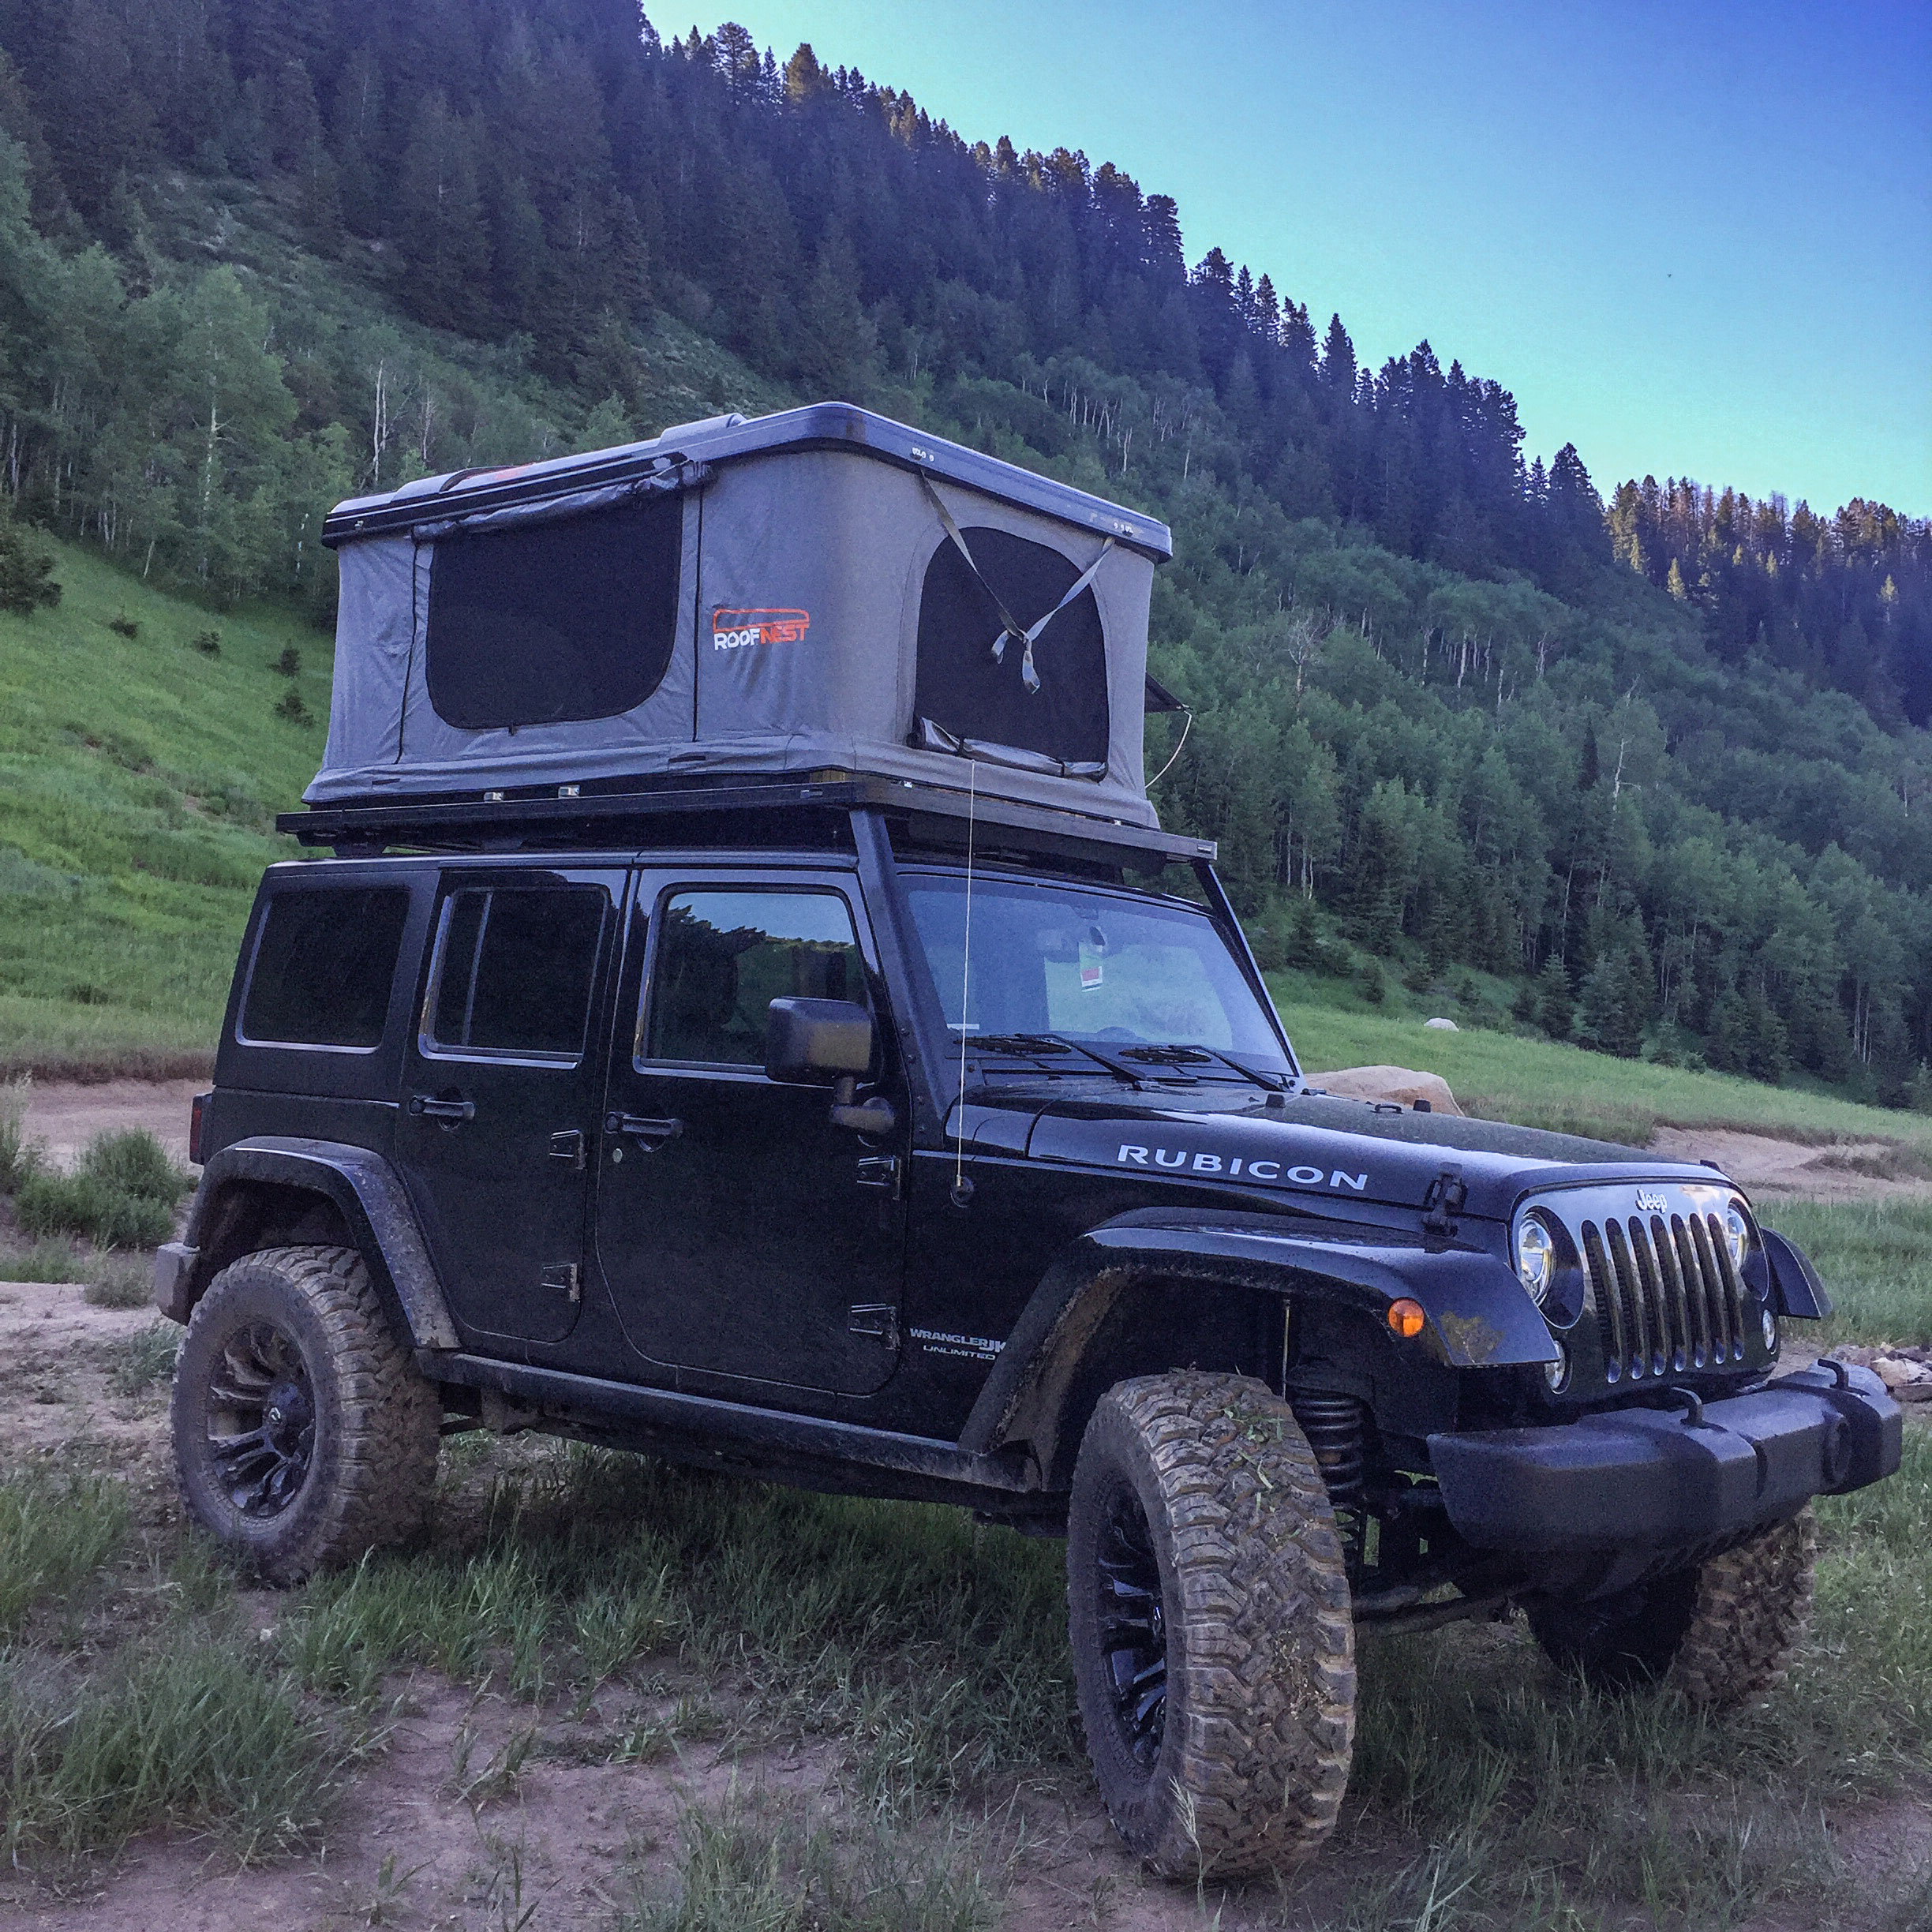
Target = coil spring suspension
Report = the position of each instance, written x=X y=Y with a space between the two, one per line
x=1335 y=1426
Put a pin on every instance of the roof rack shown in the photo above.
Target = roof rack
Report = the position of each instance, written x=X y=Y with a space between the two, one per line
x=620 y=812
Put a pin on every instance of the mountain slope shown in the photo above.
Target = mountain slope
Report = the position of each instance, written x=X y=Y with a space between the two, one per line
x=1656 y=767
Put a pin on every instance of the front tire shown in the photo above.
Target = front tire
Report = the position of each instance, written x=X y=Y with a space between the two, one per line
x=303 y=1435
x=1721 y=1633
x=1213 y=1648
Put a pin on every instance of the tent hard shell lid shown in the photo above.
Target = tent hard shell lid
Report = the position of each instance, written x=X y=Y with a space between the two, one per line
x=821 y=590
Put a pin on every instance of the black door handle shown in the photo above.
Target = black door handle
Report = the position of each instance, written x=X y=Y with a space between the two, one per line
x=652 y=1134
x=426 y=1106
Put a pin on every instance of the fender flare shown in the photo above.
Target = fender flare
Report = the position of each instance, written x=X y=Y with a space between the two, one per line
x=1478 y=1315
x=366 y=1191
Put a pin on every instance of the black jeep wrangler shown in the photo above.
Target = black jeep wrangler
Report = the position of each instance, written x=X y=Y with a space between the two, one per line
x=885 y=1140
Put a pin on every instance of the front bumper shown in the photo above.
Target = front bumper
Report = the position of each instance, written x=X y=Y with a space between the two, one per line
x=1653 y=1477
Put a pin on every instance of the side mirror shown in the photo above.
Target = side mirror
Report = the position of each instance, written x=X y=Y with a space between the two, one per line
x=814 y=1042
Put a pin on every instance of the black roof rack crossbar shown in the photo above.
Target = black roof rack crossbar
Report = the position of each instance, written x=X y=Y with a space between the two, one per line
x=573 y=815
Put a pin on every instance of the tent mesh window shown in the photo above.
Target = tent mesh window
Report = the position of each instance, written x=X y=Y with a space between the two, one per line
x=557 y=622
x=969 y=693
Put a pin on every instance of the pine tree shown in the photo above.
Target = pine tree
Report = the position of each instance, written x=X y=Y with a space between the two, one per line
x=440 y=228
x=837 y=345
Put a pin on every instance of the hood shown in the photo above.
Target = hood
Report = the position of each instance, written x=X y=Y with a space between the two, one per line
x=1302 y=1144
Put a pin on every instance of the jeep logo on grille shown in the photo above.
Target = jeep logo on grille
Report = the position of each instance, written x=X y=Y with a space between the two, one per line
x=1650 y=1202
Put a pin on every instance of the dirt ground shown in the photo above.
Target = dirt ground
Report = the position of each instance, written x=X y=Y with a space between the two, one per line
x=1844 y=1170
x=66 y=1115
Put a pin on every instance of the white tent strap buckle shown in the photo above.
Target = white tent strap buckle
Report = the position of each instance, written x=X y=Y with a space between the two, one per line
x=1010 y=625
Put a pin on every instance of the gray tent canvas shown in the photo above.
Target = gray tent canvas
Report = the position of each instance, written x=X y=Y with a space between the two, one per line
x=818 y=590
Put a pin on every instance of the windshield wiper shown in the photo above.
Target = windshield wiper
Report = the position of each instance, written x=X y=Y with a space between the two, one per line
x=1042 y=1045
x=1185 y=1053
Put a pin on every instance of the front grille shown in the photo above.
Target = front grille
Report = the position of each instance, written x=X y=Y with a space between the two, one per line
x=1667 y=1298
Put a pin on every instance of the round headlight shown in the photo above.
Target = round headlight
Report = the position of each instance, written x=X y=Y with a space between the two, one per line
x=1536 y=1259
x=1737 y=1234
x=1557 y=1373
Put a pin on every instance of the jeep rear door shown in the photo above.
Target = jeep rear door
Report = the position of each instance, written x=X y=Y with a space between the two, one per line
x=740 y=1232
x=500 y=1091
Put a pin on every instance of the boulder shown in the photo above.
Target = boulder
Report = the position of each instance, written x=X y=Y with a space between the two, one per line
x=1404 y=1084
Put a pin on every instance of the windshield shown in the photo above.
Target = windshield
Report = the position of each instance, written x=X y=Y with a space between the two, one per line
x=1055 y=961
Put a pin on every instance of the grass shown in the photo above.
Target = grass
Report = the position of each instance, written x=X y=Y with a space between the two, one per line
x=1876 y=1260
x=139 y=779
x=1542 y=1083
x=933 y=1647
x=193 y=1736
x=763 y=1863
x=55 y=1533
x=144 y=1358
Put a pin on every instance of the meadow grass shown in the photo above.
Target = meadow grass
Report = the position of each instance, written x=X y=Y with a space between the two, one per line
x=56 y=1532
x=1876 y=1260
x=139 y=780
x=1539 y=1082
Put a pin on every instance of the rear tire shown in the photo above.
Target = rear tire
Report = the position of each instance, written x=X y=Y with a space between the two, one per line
x=303 y=1435
x=1213 y=1648
x=1721 y=1633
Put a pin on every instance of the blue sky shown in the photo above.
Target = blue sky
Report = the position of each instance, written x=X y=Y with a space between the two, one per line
x=1692 y=239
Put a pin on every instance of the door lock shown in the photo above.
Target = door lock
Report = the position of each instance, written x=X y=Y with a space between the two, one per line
x=568 y=1145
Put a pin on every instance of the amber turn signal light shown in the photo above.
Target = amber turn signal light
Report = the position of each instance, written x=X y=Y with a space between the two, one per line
x=1406 y=1318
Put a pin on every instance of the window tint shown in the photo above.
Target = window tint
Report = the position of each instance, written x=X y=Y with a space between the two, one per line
x=516 y=970
x=960 y=686
x=558 y=621
x=323 y=967
x=724 y=957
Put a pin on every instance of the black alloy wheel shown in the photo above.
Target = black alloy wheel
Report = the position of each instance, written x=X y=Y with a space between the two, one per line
x=1132 y=1622
x=261 y=1419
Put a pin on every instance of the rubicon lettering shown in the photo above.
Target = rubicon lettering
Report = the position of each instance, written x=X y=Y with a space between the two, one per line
x=1231 y=1167
x=732 y=630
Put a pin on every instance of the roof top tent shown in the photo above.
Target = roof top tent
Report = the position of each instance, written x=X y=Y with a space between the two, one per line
x=815 y=591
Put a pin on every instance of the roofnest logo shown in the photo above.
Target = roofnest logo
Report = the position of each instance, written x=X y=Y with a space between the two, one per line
x=733 y=630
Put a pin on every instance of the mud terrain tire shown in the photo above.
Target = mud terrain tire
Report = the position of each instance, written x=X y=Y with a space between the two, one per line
x=303 y=1435
x=1203 y=1563
x=1721 y=1634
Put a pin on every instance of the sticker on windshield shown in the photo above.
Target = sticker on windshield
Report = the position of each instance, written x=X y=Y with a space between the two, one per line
x=1092 y=951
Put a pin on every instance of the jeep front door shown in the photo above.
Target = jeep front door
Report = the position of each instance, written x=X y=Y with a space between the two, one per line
x=500 y=1100
x=740 y=1232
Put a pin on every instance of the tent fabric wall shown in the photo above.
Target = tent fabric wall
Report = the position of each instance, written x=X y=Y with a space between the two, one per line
x=795 y=649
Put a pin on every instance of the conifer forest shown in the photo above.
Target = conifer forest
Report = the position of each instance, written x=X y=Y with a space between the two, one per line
x=1653 y=752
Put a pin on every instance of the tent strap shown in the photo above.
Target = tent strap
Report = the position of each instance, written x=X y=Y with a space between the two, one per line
x=1012 y=628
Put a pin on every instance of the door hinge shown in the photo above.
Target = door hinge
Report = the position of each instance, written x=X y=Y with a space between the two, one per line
x=879 y=1319
x=566 y=1275
x=880 y=1171
x=568 y=1145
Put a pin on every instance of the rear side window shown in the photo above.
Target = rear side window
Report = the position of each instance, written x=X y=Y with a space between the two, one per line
x=323 y=967
x=556 y=623
x=514 y=971
x=723 y=957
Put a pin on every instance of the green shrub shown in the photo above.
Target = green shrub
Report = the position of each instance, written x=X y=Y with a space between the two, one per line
x=209 y=643
x=292 y=708
x=289 y=664
x=135 y=1163
x=125 y=626
x=80 y=1203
